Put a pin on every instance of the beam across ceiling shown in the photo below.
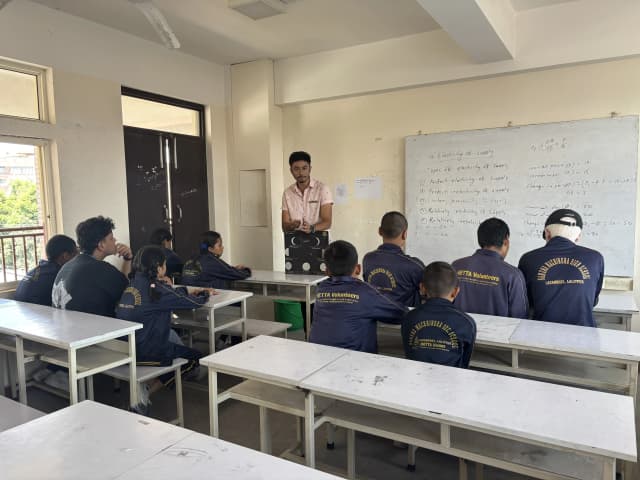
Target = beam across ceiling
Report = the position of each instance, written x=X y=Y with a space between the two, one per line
x=485 y=29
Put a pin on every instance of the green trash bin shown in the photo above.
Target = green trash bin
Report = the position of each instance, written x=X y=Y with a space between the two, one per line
x=288 y=311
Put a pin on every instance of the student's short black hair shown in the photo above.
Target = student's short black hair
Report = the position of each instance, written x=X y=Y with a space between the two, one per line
x=341 y=258
x=393 y=224
x=59 y=244
x=90 y=232
x=439 y=279
x=208 y=239
x=492 y=233
x=159 y=235
x=297 y=156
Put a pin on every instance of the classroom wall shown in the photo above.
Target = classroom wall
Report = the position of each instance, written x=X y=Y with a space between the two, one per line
x=256 y=134
x=88 y=63
x=565 y=33
x=364 y=136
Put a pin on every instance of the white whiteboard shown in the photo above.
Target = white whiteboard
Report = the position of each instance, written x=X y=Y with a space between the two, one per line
x=521 y=174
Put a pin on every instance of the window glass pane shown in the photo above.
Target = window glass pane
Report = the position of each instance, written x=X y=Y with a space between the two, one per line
x=18 y=94
x=137 y=112
x=21 y=214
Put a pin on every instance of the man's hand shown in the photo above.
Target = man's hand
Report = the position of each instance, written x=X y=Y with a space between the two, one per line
x=240 y=267
x=124 y=251
x=306 y=228
x=166 y=280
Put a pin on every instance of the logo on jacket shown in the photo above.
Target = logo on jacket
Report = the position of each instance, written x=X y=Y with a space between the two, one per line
x=554 y=262
x=380 y=285
x=131 y=298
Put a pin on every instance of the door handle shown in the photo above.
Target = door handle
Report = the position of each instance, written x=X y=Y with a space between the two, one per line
x=161 y=154
x=179 y=208
x=166 y=213
x=175 y=154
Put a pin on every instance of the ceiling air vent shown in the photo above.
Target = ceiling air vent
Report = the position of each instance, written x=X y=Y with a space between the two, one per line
x=258 y=9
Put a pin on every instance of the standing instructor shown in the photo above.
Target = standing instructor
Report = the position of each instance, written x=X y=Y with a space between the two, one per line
x=307 y=204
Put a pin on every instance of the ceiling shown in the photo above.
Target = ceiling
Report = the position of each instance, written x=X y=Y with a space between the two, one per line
x=210 y=30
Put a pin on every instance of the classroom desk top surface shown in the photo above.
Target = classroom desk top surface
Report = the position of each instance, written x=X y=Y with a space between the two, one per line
x=87 y=440
x=545 y=336
x=61 y=328
x=282 y=278
x=613 y=301
x=202 y=456
x=273 y=359
x=583 y=420
x=91 y=440
x=14 y=413
x=226 y=297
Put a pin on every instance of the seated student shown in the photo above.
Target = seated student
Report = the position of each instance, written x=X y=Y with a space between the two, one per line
x=163 y=238
x=436 y=331
x=208 y=269
x=563 y=279
x=388 y=268
x=150 y=299
x=88 y=283
x=36 y=286
x=488 y=284
x=346 y=308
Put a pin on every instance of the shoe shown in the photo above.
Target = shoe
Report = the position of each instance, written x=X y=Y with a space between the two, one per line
x=59 y=380
x=143 y=394
x=40 y=375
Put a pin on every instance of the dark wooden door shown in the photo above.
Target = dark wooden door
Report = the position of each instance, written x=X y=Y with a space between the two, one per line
x=189 y=195
x=146 y=184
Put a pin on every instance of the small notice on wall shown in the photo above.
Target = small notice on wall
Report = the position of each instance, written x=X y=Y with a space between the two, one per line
x=368 y=188
x=340 y=197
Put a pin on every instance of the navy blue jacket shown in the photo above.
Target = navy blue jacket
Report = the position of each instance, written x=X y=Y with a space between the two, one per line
x=437 y=332
x=136 y=305
x=395 y=274
x=210 y=271
x=36 y=286
x=346 y=311
x=563 y=281
x=491 y=286
x=174 y=262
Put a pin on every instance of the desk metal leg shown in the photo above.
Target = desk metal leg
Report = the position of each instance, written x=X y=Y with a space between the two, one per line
x=243 y=311
x=351 y=453
x=22 y=377
x=133 y=380
x=307 y=297
x=213 y=403
x=73 y=377
x=212 y=333
x=309 y=430
x=609 y=469
x=265 y=431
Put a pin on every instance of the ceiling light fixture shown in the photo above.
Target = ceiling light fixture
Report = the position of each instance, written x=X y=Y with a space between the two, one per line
x=258 y=9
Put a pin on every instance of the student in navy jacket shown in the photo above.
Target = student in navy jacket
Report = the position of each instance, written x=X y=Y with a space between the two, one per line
x=488 y=284
x=208 y=269
x=388 y=268
x=346 y=308
x=36 y=286
x=150 y=299
x=436 y=331
x=163 y=238
x=563 y=279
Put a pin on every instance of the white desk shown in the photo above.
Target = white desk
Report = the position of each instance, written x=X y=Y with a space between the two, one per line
x=224 y=298
x=593 y=424
x=200 y=456
x=617 y=305
x=295 y=281
x=93 y=441
x=14 y=413
x=589 y=357
x=70 y=331
x=272 y=360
